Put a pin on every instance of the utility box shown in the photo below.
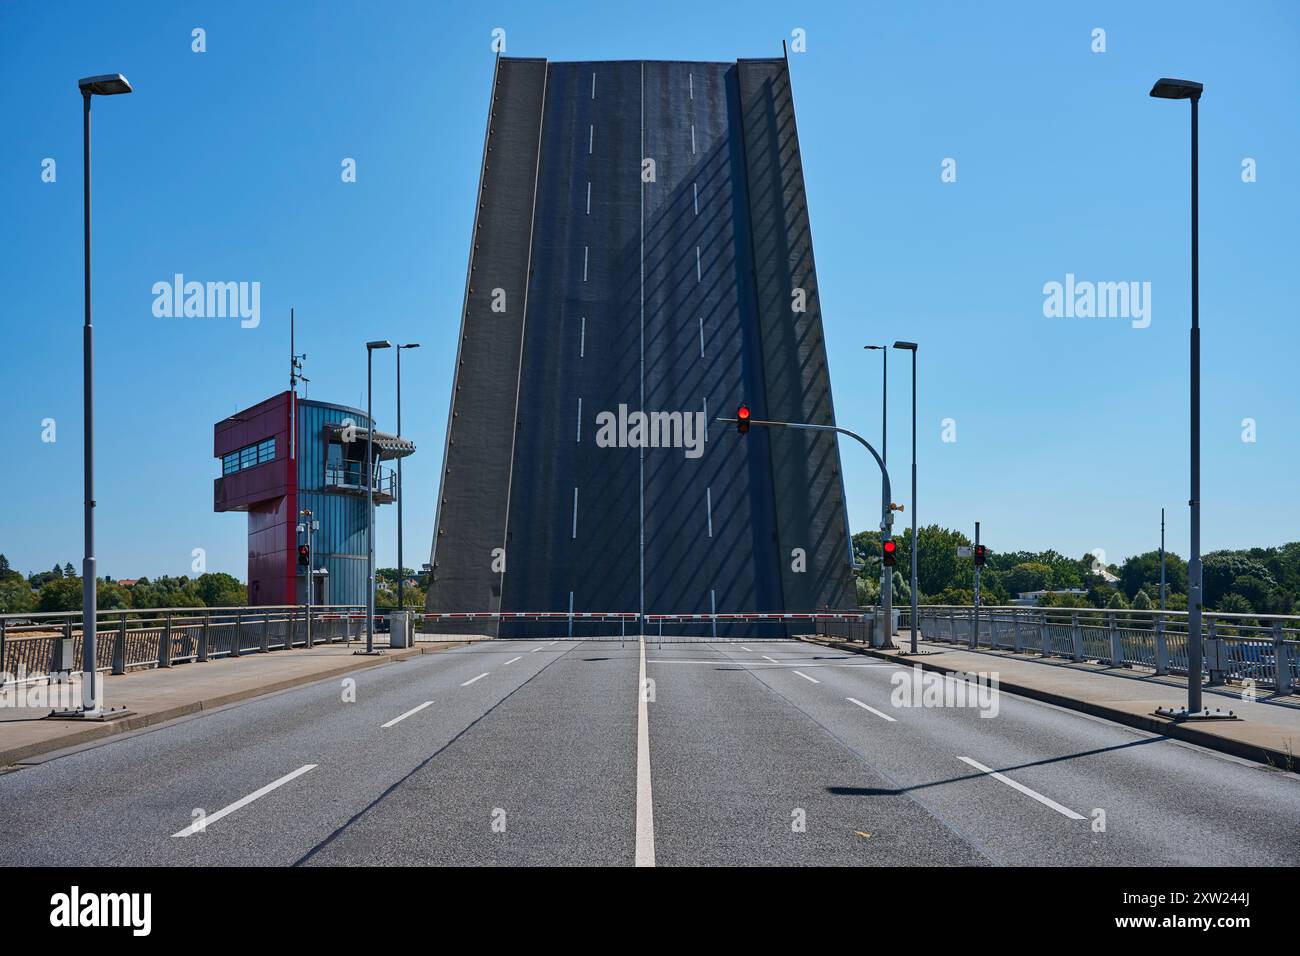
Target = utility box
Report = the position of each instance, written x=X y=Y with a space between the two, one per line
x=64 y=656
x=399 y=629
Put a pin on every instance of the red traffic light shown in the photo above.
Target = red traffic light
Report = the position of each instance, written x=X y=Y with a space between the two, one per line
x=303 y=555
x=980 y=552
x=742 y=419
x=890 y=549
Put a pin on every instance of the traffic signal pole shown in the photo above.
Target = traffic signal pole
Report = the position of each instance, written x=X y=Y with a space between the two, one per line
x=306 y=527
x=744 y=420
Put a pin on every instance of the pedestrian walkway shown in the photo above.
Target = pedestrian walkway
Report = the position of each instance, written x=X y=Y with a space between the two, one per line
x=1268 y=730
x=160 y=694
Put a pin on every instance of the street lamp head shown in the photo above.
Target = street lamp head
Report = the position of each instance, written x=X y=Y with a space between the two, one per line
x=873 y=348
x=107 y=85
x=412 y=345
x=909 y=346
x=381 y=344
x=1171 y=89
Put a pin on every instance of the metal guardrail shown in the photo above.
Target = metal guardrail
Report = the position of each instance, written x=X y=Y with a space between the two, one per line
x=1264 y=648
x=33 y=644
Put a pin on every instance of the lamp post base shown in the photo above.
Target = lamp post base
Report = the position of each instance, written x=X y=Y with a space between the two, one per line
x=1182 y=715
x=97 y=716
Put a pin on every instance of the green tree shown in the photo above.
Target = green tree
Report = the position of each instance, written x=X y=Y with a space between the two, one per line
x=16 y=597
x=111 y=596
x=1027 y=576
x=1141 y=602
x=902 y=594
x=218 y=589
x=1142 y=572
x=69 y=571
x=960 y=597
x=61 y=594
x=1234 y=603
x=868 y=592
x=1222 y=568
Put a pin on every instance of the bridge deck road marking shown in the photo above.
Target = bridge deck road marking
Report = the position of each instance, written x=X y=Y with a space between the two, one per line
x=1045 y=801
x=203 y=822
x=473 y=679
x=645 y=817
x=513 y=659
x=401 y=717
x=813 y=680
x=878 y=713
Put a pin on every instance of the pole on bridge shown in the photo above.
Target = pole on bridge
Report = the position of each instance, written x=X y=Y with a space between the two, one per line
x=886 y=511
x=975 y=631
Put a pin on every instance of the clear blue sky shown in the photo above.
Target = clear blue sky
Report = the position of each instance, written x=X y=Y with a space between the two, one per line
x=1071 y=433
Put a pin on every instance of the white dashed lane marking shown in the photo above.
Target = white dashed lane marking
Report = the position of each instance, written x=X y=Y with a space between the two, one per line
x=868 y=707
x=401 y=717
x=199 y=825
x=1045 y=801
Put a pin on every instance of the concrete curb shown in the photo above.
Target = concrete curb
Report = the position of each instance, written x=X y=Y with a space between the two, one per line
x=1278 y=759
x=96 y=732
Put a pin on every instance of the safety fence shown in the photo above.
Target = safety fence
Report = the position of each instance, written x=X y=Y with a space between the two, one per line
x=33 y=646
x=1263 y=648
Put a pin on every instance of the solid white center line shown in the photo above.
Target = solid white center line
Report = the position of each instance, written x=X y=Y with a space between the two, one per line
x=513 y=659
x=645 y=816
x=813 y=680
x=199 y=825
x=878 y=713
x=401 y=717
x=1045 y=801
x=473 y=679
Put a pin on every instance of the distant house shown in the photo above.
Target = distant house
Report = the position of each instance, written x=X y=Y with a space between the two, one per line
x=1031 y=598
x=127 y=582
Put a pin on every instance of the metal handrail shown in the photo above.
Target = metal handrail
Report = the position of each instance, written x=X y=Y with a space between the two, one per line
x=134 y=638
x=1261 y=648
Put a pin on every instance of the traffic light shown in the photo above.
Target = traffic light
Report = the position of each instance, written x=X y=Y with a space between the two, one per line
x=304 y=556
x=890 y=551
x=980 y=552
x=742 y=419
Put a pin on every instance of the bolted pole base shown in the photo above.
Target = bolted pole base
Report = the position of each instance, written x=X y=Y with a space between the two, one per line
x=1182 y=715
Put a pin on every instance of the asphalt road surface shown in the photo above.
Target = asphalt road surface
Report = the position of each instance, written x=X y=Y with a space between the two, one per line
x=548 y=753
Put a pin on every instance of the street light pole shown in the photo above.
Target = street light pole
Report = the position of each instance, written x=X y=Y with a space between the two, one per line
x=370 y=493
x=1172 y=89
x=92 y=706
x=912 y=347
x=1162 y=559
x=401 y=568
x=886 y=577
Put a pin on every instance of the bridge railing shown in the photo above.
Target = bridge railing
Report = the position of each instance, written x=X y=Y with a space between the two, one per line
x=1264 y=648
x=37 y=644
